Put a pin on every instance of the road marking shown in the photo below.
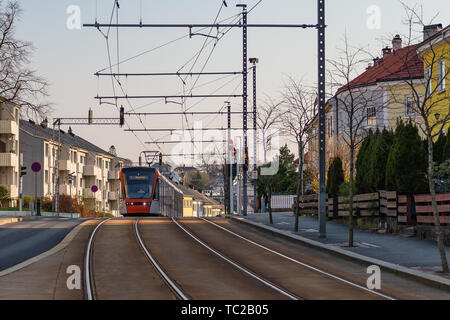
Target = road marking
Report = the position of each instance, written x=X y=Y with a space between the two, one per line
x=287 y=294
x=171 y=283
x=370 y=245
x=301 y=263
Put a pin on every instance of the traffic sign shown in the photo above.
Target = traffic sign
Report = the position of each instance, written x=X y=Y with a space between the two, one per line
x=36 y=167
x=94 y=188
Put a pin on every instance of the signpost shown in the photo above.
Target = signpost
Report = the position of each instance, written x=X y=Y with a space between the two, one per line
x=36 y=167
x=94 y=189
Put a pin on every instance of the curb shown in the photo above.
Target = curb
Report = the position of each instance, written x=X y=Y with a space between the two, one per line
x=63 y=244
x=9 y=220
x=396 y=269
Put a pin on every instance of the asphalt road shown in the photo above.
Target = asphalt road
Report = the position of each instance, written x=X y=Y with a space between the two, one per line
x=23 y=240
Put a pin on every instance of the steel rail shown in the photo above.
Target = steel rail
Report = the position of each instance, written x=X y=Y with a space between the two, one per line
x=235 y=264
x=299 y=262
x=172 y=284
x=89 y=287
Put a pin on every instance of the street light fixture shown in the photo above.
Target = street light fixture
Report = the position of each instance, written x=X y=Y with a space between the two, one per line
x=437 y=115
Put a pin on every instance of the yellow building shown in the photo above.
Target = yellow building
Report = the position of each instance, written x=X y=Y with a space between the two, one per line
x=434 y=51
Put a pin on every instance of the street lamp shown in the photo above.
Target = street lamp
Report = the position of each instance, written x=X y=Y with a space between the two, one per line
x=437 y=115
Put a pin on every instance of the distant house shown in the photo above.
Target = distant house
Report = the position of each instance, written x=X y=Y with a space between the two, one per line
x=196 y=204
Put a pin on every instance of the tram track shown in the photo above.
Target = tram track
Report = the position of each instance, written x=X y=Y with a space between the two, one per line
x=239 y=266
x=90 y=284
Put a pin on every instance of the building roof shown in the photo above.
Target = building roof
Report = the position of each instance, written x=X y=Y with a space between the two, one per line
x=69 y=139
x=198 y=195
x=401 y=64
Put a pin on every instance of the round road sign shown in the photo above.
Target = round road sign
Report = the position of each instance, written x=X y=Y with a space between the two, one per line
x=36 y=167
x=94 y=188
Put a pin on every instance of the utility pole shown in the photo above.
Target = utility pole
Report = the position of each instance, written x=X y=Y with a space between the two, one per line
x=244 y=102
x=230 y=159
x=238 y=175
x=254 y=61
x=20 y=183
x=321 y=95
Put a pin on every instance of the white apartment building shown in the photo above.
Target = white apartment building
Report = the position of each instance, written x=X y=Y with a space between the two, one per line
x=9 y=149
x=80 y=165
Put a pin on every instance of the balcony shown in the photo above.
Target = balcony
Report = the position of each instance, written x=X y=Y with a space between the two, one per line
x=64 y=189
x=91 y=170
x=87 y=193
x=113 y=175
x=67 y=165
x=8 y=160
x=9 y=127
x=112 y=196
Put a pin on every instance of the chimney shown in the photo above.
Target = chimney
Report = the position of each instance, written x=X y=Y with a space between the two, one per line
x=376 y=60
x=44 y=123
x=431 y=30
x=386 y=51
x=396 y=42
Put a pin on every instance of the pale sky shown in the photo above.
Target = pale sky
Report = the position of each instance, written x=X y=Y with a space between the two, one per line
x=68 y=59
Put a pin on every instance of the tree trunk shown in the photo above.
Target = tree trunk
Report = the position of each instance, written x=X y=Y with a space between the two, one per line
x=437 y=223
x=269 y=202
x=350 y=198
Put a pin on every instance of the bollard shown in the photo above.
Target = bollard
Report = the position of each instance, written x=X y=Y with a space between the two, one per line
x=38 y=207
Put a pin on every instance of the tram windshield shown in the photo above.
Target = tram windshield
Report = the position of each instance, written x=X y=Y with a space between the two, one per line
x=138 y=182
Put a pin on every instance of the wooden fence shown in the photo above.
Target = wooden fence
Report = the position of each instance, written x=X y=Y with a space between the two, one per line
x=424 y=209
x=405 y=209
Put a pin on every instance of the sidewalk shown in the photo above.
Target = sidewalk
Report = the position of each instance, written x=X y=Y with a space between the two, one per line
x=421 y=255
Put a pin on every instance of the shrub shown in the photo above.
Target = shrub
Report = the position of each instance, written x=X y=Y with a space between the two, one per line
x=335 y=176
x=362 y=163
x=407 y=161
x=26 y=200
x=344 y=189
x=378 y=158
x=4 y=194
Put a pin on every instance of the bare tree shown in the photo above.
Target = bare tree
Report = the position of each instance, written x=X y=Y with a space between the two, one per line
x=267 y=119
x=357 y=104
x=18 y=83
x=300 y=109
x=429 y=102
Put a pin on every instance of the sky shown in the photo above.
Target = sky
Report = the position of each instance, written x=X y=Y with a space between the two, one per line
x=68 y=58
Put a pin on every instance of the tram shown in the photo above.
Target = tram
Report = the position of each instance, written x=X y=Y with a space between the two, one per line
x=146 y=192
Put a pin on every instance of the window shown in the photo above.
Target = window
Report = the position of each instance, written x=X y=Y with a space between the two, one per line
x=441 y=76
x=371 y=116
x=81 y=182
x=428 y=81
x=410 y=106
x=46 y=176
x=46 y=150
x=330 y=126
